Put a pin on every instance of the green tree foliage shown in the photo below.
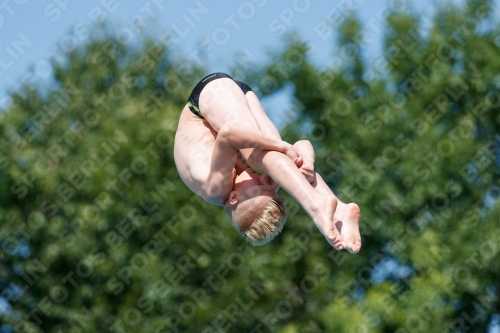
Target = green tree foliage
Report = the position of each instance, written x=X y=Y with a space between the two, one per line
x=416 y=144
x=99 y=234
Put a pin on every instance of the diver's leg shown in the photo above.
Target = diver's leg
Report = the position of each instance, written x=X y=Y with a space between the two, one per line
x=222 y=101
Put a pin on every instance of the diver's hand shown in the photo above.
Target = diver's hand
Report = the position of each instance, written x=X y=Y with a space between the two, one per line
x=292 y=154
x=306 y=150
x=307 y=169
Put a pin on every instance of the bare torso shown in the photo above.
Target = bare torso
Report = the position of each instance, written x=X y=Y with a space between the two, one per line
x=194 y=144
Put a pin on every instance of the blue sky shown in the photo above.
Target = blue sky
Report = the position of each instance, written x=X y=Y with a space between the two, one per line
x=253 y=27
x=42 y=29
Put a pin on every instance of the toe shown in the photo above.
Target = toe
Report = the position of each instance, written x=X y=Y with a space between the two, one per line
x=351 y=248
x=356 y=247
x=335 y=239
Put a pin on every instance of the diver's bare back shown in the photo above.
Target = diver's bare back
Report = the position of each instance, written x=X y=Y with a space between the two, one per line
x=194 y=143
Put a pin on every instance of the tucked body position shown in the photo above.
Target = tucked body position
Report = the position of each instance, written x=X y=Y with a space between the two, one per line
x=230 y=153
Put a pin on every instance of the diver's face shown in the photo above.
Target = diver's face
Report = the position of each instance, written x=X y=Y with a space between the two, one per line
x=250 y=184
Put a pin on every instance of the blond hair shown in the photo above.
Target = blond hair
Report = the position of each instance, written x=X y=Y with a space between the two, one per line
x=258 y=222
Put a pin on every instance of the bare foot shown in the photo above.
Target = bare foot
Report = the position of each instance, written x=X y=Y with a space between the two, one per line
x=324 y=216
x=346 y=219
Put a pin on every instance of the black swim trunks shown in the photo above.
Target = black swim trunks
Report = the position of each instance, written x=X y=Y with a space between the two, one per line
x=195 y=94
